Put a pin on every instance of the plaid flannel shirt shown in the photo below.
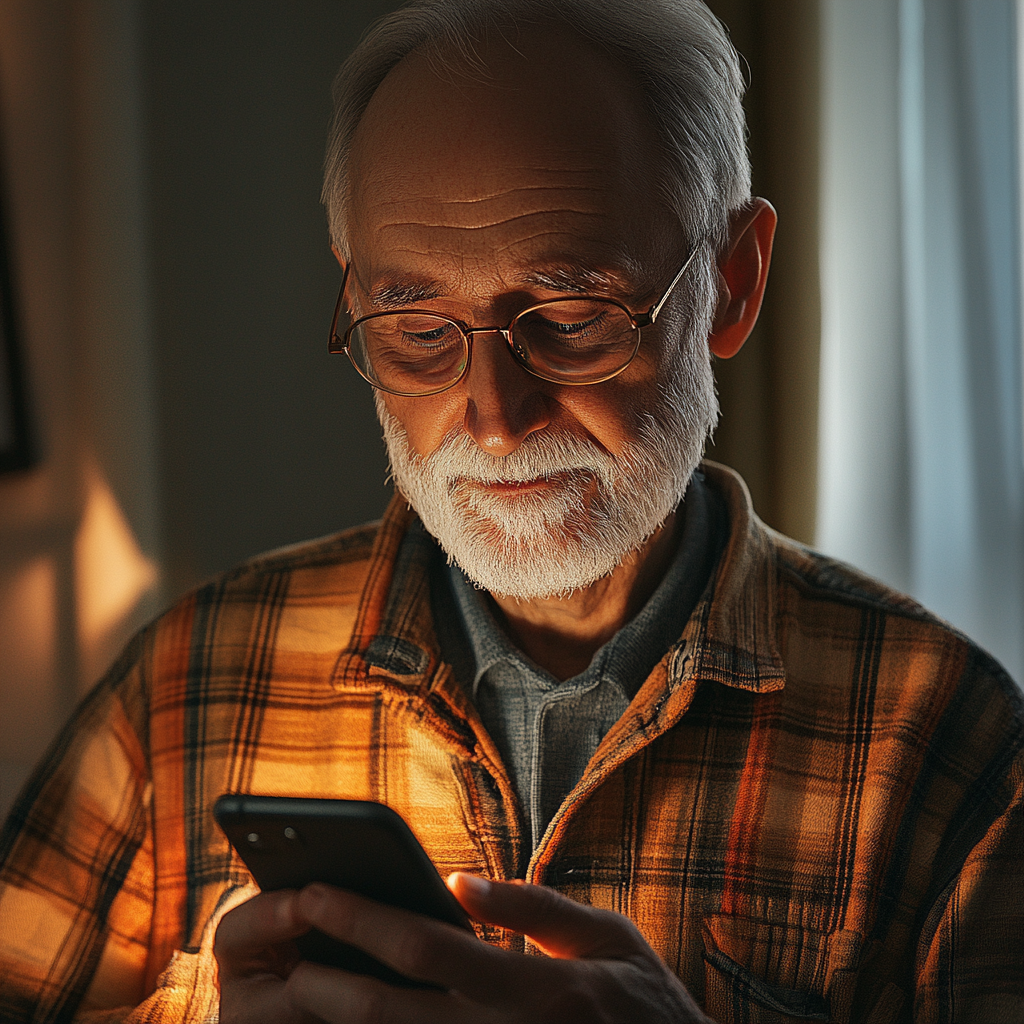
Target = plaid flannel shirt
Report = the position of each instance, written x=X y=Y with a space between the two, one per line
x=812 y=808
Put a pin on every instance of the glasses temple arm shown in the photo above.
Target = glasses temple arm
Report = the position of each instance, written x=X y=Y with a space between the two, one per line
x=656 y=309
x=334 y=343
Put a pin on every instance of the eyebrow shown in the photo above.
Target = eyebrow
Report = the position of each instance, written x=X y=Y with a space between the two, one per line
x=395 y=294
x=572 y=278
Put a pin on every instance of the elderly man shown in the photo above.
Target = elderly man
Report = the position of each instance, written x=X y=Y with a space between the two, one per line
x=741 y=782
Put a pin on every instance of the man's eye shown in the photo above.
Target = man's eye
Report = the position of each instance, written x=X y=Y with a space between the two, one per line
x=422 y=331
x=579 y=327
x=429 y=337
x=584 y=331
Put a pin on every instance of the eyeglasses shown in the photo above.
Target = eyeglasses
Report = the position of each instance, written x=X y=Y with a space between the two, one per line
x=417 y=352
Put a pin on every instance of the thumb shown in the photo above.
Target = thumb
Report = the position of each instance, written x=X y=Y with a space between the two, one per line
x=560 y=926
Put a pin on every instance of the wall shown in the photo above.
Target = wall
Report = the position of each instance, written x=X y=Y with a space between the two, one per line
x=769 y=391
x=39 y=509
x=79 y=533
x=264 y=440
x=175 y=287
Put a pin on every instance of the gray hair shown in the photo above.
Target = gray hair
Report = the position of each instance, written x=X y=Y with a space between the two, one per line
x=679 y=53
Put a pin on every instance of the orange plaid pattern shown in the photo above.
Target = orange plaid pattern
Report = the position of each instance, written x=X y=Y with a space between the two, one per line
x=812 y=808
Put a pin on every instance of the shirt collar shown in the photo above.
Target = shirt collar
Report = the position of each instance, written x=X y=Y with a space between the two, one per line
x=730 y=638
x=487 y=642
x=627 y=658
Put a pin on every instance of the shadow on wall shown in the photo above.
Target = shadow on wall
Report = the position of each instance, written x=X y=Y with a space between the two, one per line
x=263 y=439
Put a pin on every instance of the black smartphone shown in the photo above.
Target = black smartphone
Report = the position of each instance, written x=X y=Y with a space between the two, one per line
x=288 y=842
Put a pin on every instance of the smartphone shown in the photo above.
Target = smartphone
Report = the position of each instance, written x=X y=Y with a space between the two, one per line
x=288 y=842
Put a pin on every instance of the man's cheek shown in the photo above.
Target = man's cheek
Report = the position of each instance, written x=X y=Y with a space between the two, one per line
x=426 y=421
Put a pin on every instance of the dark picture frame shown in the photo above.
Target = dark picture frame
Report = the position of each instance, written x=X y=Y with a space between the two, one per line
x=16 y=448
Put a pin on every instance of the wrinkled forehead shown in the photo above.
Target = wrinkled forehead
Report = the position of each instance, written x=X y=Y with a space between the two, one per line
x=541 y=132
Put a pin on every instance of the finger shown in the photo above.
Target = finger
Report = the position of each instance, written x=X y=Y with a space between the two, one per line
x=259 y=999
x=254 y=953
x=245 y=933
x=560 y=926
x=418 y=947
x=338 y=997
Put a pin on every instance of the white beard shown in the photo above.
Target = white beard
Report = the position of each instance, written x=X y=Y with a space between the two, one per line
x=551 y=541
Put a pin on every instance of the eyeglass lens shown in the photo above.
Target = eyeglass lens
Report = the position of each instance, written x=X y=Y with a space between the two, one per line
x=576 y=341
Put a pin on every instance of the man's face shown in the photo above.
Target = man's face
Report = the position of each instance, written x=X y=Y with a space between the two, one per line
x=476 y=197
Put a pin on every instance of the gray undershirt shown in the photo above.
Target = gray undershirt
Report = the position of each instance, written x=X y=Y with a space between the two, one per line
x=545 y=729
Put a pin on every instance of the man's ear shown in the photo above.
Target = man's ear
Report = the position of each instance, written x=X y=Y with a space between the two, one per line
x=743 y=271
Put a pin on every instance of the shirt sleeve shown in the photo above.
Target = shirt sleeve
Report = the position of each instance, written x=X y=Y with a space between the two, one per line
x=187 y=991
x=76 y=865
x=971 y=955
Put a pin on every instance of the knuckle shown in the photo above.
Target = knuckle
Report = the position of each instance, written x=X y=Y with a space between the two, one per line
x=624 y=928
x=621 y=935
x=548 y=903
x=412 y=952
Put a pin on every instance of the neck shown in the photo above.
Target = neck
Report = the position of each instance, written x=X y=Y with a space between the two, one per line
x=561 y=634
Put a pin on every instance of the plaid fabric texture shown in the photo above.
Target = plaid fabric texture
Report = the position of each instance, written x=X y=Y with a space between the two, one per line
x=812 y=808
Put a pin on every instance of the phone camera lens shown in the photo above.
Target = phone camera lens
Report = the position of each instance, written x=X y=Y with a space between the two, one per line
x=290 y=833
x=253 y=837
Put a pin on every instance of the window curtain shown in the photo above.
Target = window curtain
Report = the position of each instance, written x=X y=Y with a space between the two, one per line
x=920 y=461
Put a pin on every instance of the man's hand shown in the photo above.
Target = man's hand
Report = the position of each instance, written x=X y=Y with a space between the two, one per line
x=256 y=954
x=600 y=968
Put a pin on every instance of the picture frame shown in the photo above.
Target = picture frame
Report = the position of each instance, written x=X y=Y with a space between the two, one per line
x=16 y=448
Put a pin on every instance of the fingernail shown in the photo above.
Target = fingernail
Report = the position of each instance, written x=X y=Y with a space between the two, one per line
x=474 y=884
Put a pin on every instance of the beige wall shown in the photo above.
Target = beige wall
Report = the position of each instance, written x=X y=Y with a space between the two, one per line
x=79 y=544
x=175 y=286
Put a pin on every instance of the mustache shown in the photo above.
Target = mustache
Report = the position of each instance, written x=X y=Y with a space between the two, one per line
x=540 y=455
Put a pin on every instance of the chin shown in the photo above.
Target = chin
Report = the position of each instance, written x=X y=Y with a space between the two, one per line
x=551 y=561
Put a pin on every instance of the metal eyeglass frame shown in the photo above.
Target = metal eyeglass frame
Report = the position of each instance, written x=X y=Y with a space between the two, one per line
x=340 y=345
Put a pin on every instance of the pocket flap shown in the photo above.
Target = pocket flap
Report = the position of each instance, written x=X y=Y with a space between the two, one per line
x=782 y=968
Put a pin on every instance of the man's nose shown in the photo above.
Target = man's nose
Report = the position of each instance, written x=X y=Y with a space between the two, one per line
x=504 y=403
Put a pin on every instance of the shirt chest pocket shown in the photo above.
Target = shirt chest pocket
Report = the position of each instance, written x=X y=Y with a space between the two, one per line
x=762 y=972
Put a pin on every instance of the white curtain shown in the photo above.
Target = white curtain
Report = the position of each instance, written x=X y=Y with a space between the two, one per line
x=921 y=457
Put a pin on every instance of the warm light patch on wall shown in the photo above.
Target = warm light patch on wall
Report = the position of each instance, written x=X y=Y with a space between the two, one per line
x=28 y=637
x=111 y=576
